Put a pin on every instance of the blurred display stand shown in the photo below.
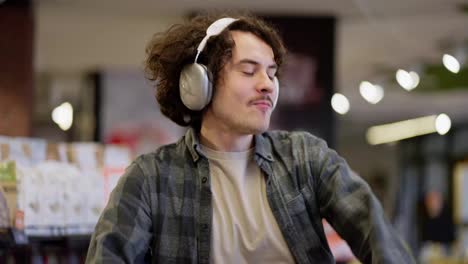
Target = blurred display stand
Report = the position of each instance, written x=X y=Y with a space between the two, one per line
x=51 y=196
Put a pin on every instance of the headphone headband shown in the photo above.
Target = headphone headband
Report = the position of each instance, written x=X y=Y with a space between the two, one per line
x=213 y=30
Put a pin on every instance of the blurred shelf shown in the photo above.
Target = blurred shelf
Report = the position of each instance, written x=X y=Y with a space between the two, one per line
x=11 y=238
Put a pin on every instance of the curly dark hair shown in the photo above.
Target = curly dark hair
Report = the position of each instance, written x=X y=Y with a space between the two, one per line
x=169 y=51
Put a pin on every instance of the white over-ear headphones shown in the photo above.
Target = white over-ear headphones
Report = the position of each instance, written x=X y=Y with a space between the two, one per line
x=194 y=82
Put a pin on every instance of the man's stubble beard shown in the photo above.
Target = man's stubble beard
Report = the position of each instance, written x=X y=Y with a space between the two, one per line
x=245 y=125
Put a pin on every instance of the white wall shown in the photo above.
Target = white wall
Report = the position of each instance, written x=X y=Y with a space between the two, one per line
x=76 y=40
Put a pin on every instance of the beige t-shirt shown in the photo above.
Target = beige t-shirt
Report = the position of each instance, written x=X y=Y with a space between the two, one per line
x=244 y=229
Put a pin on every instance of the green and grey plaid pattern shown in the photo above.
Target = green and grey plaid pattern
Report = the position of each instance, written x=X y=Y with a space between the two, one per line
x=160 y=211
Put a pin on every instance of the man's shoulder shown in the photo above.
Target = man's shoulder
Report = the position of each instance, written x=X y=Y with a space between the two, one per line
x=164 y=149
x=165 y=154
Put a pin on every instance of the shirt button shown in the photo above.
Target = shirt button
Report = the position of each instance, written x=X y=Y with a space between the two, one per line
x=204 y=180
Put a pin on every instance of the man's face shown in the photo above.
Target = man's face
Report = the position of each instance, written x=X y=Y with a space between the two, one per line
x=243 y=99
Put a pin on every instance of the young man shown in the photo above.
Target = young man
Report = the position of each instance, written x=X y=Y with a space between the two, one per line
x=229 y=191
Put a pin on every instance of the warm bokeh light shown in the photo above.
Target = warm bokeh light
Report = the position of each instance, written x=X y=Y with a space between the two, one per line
x=340 y=103
x=404 y=79
x=415 y=78
x=370 y=92
x=443 y=124
x=62 y=115
x=407 y=80
x=451 y=63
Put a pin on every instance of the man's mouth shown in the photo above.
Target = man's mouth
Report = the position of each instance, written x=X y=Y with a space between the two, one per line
x=263 y=104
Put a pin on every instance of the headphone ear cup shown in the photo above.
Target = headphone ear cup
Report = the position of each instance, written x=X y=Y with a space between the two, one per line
x=195 y=86
x=277 y=86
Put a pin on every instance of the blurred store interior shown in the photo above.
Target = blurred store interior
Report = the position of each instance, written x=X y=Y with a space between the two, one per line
x=73 y=91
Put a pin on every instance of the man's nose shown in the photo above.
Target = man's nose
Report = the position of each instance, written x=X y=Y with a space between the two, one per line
x=265 y=84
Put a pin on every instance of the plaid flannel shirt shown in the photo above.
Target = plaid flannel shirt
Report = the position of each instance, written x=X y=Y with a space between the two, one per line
x=160 y=211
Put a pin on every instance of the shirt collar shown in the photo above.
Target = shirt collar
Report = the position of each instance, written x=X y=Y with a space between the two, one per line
x=263 y=147
x=192 y=142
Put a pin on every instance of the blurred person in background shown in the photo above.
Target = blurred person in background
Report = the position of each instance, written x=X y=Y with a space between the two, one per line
x=229 y=191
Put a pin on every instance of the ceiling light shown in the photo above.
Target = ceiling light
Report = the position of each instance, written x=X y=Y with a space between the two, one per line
x=407 y=129
x=451 y=63
x=340 y=103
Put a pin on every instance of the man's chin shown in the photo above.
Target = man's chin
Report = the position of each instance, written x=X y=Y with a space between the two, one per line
x=252 y=128
x=260 y=129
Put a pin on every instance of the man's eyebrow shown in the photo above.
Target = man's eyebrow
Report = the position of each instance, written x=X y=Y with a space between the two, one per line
x=250 y=61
